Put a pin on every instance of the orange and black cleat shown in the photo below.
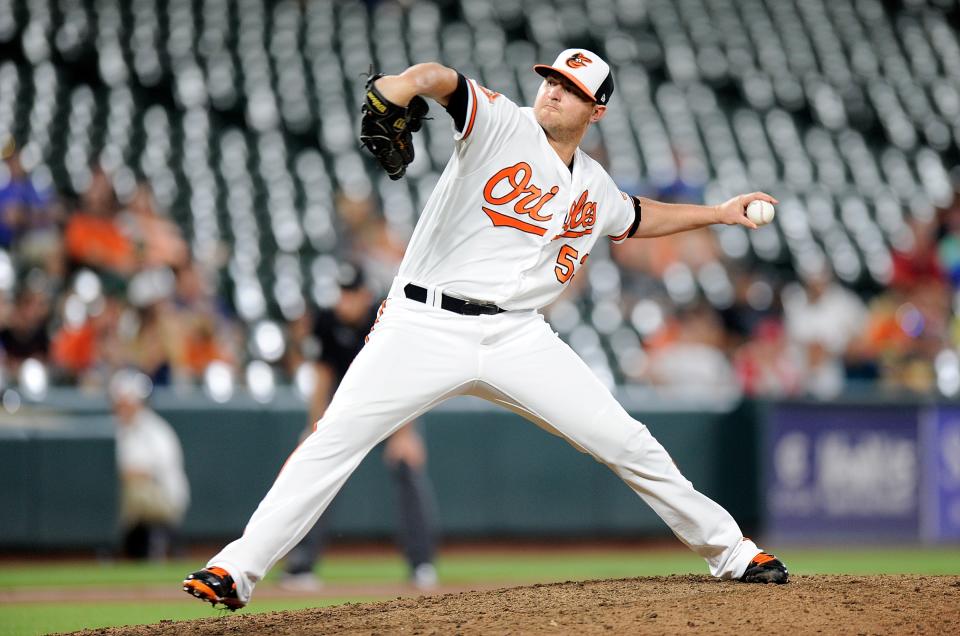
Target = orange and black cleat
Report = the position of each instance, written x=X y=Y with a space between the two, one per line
x=213 y=585
x=765 y=568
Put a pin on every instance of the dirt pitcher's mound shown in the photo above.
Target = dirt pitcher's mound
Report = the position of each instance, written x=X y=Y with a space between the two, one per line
x=658 y=605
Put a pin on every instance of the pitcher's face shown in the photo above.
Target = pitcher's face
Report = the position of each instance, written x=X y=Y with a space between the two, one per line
x=561 y=107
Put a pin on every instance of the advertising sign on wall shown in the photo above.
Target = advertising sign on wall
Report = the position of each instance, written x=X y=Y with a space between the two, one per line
x=942 y=463
x=835 y=471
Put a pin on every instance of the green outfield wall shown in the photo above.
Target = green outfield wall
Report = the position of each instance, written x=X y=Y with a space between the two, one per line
x=494 y=474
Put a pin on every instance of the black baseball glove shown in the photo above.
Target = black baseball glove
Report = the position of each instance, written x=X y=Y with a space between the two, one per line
x=386 y=129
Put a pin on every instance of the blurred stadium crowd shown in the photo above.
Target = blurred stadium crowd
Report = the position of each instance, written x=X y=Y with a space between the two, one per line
x=181 y=185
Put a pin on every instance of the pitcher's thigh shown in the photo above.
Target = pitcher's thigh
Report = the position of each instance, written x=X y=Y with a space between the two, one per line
x=548 y=382
x=405 y=368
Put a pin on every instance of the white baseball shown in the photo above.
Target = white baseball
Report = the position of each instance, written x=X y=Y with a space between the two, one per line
x=760 y=212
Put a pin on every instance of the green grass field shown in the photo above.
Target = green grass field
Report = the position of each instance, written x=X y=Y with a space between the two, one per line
x=510 y=567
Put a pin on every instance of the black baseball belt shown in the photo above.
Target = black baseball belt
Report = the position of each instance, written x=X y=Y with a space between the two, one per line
x=450 y=303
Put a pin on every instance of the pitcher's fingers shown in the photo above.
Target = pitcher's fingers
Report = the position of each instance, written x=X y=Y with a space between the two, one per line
x=760 y=196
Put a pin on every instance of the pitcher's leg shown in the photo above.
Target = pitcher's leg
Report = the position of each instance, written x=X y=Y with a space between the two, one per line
x=561 y=394
x=306 y=485
x=698 y=521
x=409 y=365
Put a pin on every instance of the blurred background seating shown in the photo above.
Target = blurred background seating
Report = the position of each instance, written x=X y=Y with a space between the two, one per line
x=181 y=180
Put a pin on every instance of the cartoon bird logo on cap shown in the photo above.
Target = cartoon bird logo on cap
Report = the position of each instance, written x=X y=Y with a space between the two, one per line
x=578 y=60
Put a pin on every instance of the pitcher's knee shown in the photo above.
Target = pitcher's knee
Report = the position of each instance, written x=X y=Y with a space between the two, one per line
x=617 y=437
x=642 y=454
x=338 y=432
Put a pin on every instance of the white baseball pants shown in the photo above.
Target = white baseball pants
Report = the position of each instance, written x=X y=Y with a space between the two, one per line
x=418 y=356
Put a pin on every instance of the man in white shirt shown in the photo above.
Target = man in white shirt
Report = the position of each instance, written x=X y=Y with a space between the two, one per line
x=512 y=219
x=823 y=318
x=153 y=484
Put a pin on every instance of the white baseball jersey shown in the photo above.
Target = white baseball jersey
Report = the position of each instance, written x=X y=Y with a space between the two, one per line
x=508 y=222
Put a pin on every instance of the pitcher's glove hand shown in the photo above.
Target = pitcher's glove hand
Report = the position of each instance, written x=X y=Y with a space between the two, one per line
x=386 y=129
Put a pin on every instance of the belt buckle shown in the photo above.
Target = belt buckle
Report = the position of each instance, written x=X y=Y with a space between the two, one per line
x=482 y=308
x=474 y=307
x=471 y=309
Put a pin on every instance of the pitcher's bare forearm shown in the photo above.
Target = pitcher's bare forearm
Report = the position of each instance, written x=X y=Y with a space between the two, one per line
x=660 y=219
x=432 y=80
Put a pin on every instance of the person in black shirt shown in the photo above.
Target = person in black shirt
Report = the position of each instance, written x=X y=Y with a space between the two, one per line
x=25 y=335
x=339 y=335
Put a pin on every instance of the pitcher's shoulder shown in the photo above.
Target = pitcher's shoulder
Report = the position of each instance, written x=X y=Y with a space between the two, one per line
x=591 y=167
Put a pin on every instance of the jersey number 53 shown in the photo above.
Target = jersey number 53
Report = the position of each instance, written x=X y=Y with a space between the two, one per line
x=566 y=262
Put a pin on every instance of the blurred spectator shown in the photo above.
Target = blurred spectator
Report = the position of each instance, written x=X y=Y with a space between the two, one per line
x=206 y=331
x=755 y=302
x=6 y=311
x=919 y=262
x=948 y=247
x=823 y=317
x=155 y=349
x=202 y=345
x=88 y=346
x=22 y=205
x=29 y=219
x=767 y=365
x=74 y=348
x=155 y=344
x=93 y=237
x=693 y=363
x=192 y=289
x=153 y=485
x=303 y=347
x=904 y=332
x=372 y=244
x=25 y=333
x=683 y=184
x=156 y=239
x=40 y=243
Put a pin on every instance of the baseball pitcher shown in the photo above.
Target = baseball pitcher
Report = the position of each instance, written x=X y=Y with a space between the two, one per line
x=512 y=220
